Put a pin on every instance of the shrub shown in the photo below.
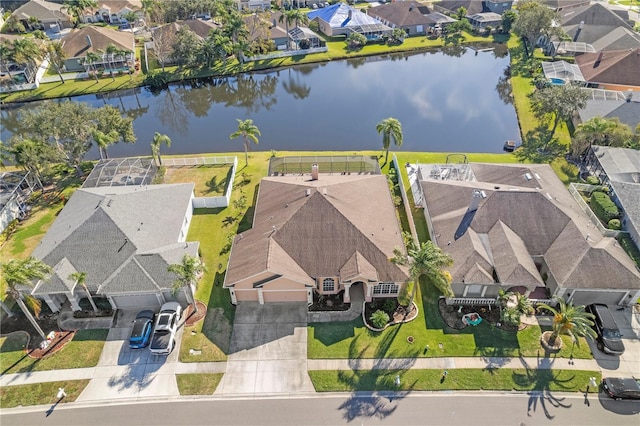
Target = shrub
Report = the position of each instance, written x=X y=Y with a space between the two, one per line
x=614 y=224
x=389 y=306
x=305 y=43
x=159 y=176
x=593 y=180
x=404 y=296
x=356 y=41
x=603 y=207
x=379 y=319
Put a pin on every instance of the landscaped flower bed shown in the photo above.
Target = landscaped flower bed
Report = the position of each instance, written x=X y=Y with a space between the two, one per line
x=329 y=302
x=397 y=314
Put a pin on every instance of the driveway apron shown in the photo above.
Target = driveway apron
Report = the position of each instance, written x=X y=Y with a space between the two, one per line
x=268 y=352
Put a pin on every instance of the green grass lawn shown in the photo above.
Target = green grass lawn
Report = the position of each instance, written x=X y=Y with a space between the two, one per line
x=83 y=351
x=198 y=384
x=40 y=393
x=210 y=181
x=457 y=379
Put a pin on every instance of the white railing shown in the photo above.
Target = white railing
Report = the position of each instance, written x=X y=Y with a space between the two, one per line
x=575 y=189
x=198 y=161
x=468 y=301
x=285 y=53
x=550 y=302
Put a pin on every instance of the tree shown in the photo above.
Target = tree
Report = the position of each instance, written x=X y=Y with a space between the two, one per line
x=56 y=57
x=13 y=24
x=533 y=21
x=356 y=41
x=453 y=33
x=25 y=51
x=80 y=279
x=34 y=156
x=159 y=139
x=131 y=17
x=110 y=53
x=249 y=133
x=424 y=259
x=112 y=127
x=508 y=18
x=188 y=272
x=22 y=273
x=600 y=131
x=185 y=47
x=293 y=16
x=570 y=320
x=391 y=130
x=77 y=7
x=558 y=101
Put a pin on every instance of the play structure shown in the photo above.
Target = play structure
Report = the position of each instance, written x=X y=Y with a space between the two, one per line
x=472 y=319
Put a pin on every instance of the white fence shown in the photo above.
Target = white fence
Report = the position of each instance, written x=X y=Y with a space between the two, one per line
x=219 y=201
x=286 y=53
x=575 y=189
x=479 y=301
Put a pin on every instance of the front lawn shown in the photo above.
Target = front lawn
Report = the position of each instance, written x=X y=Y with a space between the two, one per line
x=40 y=393
x=457 y=379
x=198 y=384
x=83 y=351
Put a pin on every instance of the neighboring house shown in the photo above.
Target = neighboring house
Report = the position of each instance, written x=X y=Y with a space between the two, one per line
x=253 y=4
x=559 y=5
x=625 y=106
x=619 y=168
x=517 y=227
x=450 y=7
x=48 y=14
x=559 y=72
x=123 y=238
x=95 y=39
x=15 y=189
x=21 y=76
x=409 y=16
x=298 y=34
x=113 y=11
x=164 y=36
x=267 y=26
x=611 y=70
x=318 y=235
x=484 y=20
x=342 y=20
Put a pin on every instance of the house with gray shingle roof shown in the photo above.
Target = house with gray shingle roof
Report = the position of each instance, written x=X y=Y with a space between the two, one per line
x=47 y=13
x=414 y=18
x=318 y=235
x=123 y=238
x=517 y=227
x=78 y=43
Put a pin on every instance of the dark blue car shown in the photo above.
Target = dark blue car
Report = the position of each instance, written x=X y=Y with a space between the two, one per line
x=141 y=330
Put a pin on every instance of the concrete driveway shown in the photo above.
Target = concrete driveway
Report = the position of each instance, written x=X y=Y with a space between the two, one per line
x=268 y=352
x=123 y=372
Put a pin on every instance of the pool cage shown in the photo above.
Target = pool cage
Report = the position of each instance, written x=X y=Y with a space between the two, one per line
x=121 y=172
x=15 y=189
x=341 y=164
x=457 y=172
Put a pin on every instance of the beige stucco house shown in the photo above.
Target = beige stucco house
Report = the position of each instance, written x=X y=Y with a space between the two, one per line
x=327 y=234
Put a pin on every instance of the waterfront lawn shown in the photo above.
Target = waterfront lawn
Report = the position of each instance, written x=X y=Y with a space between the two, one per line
x=40 y=393
x=520 y=379
x=83 y=351
x=209 y=180
x=198 y=384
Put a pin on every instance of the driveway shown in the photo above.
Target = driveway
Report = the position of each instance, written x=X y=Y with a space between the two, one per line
x=268 y=352
x=123 y=372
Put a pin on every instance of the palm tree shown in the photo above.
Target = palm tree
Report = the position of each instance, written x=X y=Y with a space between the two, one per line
x=249 y=133
x=13 y=24
x=56 y=57
x=80 y=279
x=424 y=259
x=21 y=273
x=391 y=129
x=77 y=7
x=293 y=16
x=159 y=139
x=111 y=51
x=188 y=272
x=570 y=320
x=90 y=59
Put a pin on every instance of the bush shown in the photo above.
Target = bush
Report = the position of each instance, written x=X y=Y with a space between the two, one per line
x=592 y=180
x=404 y=296
x=356 y=41
x=159 y=176
x=603 y=207
x=379 y=319
x=390 y=306
x=614 y=224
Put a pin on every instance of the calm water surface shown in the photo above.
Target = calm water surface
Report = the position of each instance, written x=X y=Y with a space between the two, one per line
x=445 y=103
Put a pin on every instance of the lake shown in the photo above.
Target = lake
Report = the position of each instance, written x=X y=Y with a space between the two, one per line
x=445 y=102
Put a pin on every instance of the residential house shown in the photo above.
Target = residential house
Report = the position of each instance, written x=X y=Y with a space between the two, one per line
x=113 y=11
x=451 y=7
x=611 y=70
x=78 y=43
x=484 y=20
x=625 y=106
x=559 y=5
x=123 y=238
x=413 y=18
x=342 y=20
x=253 y=5
x=516 y=227
x=49 y=15
x=164 y=36
x=267 y=25
x=318 y=234
x=21 y=75
x=619 y=169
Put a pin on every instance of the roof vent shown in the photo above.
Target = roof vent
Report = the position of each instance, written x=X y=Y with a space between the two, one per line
x=307 y=192
x=314 y=171
x=528 y=176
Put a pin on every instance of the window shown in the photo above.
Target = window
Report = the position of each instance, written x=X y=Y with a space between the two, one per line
x=328 y=285
x=386 y=288
x=474 y=290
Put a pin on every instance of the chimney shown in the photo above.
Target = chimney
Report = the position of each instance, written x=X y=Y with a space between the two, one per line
x=314 y=171
x=476 y=197
x=89 y=41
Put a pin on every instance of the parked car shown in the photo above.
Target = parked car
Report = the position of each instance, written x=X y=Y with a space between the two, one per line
x=141 y=330
x=609 y=338
x=622 y=388
x=164 y=334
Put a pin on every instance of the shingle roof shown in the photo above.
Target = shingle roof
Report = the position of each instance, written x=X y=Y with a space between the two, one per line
x=627 y=112
x=614 y=67
x=76 y=44
x=59 y=281
x=620 y=164
x=358 y=266
x=629 y=196
x=512 y=261
x=199 y=27
x=320 y=232
x=472 y=6
x=401 y=14
x=591 y=14
x=274 y=29
x=43 y=10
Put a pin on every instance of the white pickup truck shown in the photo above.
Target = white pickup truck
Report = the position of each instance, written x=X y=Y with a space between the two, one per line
x=164 y=333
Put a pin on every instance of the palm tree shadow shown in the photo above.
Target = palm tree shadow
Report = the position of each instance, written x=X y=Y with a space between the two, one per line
x=540 y=379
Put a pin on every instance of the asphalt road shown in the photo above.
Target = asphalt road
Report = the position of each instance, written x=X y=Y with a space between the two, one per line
x=485 y=408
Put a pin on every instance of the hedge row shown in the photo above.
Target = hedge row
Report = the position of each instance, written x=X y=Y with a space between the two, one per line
x=603 y=207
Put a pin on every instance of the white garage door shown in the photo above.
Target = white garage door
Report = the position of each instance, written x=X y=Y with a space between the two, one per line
x=583 y=297
x=136 y=301
x=285 y=296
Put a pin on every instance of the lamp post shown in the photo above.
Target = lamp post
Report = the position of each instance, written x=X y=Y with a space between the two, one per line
x=592 y=382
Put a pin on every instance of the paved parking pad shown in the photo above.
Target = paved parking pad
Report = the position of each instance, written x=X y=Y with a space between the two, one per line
x=268 y=351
